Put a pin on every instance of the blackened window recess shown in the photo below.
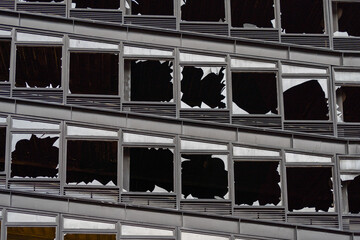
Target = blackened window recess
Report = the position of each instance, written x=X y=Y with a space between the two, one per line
x=97 y=4
x=197 y=88
x=350 y=98
x=94 y=73
x=89 y=160
x=30 y=233
x=2 y=148
x=38 y=67
x=203 y=10
x=257 y=181
x=306 y=101
x=93 y=236
x=5 y=47
x=309 y=187
x=152 y=7
x=203 y=176
x=150 y=167
x=35 y=157
x=256 y=93
x=151 y=81
x=302 y=16
x=348 y=16
x=258 y=13
x=353 y=194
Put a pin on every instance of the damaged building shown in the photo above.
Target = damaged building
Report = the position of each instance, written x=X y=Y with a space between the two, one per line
x=179 y=119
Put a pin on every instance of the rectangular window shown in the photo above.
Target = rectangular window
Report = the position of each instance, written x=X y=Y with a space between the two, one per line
x=89 y=236
x=152 y=7
x=5 y=47
x=345 y=16
x=348 y=103
x=352 y=194
x=2 y=148
x=96 y=4
x=44 y=233
x=203 y=10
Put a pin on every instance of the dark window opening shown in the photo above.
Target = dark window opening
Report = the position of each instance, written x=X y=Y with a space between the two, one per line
x=198 y=88
x=255 y=93
x=38 y=67
x=203 y=176
x=203 y=10
x=252 y=13
x=2 y=148
x=91 y=161
x=309 y=187
x=35 y=155
x=306 y=101
x=97 y=4
x=257 y=181
x=150 y=80
x=302 y=16
x=150 y=168
x=353 y=194
x=83 y=236
x=94 y=73
x=30 y=233
x=152 y=7
x=347 y=15
x=348 y=100
x=5 y=47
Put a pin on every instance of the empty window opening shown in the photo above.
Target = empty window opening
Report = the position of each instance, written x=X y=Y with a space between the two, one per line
x=151 y=169
x=348 y=103
x=38 y=67
x=252 y=13
x=203 y=10
x=44 y=233
x=353 y=195
x=305 y=16
x=345 y=16
x=203 y=87
x=2 y=148
x=35 y=155
x=149 y=80
x=305 y=101
x=152 y=7
x=309 y=188
x=254 y=93
x=91 y=162
x=204 y=176
x=94 y=73
x=83 y=236
x=5 y=47
x=257 y=183
x=97 y=4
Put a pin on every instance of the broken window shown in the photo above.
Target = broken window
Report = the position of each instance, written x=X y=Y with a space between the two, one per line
x=149 y=80
x=203 y=10
x=2 y=148
x=5 y=47
x=97 y=4
x=348 y=103
x=351 y=187
x=35 y=155
x=91 y=162
x=89 y=236
x=38 y=67
x=94 y=73
x=305 y=16
x=252 y=13
x=151 y=169
x=203 y=87
x=257 y=183
x=44 y=233
x=204 y=176
x=345 y=16
x=152 y=7
x=254 y=93
x=309 y=188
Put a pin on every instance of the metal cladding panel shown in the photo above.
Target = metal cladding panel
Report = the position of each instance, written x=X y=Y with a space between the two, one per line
x=316 y=41
x=217 y=29
x=306 y=235
x=266 y=35
x=264 y=230
x=213 y=224
x=151 y=21
x=9 y=4
x=98 y=15
x=347 y=43
x=54 y=9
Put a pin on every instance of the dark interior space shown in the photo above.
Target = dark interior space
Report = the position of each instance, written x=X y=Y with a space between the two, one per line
x=100 y=4
x=89 y=160
x=203 y=176
x=256 y=93
x=152 y=7
x=35 y=157
x=151 y=81
x=348 y=17
x=257 y=181
x=353 y=194
x=150 y=167
x=94 y=73
x=255 y=12
x=2 y=148
x=350 y=97
x=309 y=187
x=5 y=47
x=306 y=101
x=84 y=236
x=197 y=89
x=203 y=10
x=30 y=233
x=302 y=16
x=38 y=66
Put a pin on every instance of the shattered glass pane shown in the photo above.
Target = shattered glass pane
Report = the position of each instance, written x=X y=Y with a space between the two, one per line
x=5 y=47
x=2 y=148
x=30 y=233
x=152 y=7
x=203 y=10
x=82 y=224
x=348 y=103
x=89 y=236
x=96 y=4
x=128 y=230
x=25 y=217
